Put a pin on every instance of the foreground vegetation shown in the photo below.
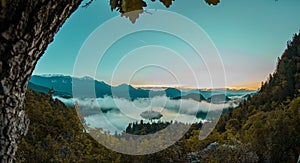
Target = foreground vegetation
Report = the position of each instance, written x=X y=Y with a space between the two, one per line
x=265 y=128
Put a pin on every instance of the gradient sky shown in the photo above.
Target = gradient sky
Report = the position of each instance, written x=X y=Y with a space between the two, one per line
x=248 y=34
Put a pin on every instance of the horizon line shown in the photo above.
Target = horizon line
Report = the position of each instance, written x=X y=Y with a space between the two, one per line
x=157 y=86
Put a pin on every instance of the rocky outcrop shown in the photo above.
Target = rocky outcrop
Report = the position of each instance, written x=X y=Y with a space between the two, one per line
x=216 y=152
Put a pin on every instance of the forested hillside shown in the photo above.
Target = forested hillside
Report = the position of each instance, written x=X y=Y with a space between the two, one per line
x=269 y=122
x=56 y=135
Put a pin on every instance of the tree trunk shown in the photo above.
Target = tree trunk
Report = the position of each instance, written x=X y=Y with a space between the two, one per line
x=26 y=29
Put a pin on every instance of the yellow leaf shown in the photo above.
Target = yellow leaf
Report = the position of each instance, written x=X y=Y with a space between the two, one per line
x=3 y=3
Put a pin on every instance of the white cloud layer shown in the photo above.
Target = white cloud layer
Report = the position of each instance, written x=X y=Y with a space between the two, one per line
x=114 y=114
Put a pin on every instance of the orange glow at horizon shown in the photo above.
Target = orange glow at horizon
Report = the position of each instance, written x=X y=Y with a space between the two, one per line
x=252 y=86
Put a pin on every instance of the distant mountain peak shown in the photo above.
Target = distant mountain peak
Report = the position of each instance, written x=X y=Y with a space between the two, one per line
x=51 y=75
x=87 y=78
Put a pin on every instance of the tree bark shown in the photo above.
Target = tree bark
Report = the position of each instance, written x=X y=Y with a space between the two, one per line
x=26 y=29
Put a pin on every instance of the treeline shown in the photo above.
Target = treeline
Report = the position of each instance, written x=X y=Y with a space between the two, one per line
x=141 y=128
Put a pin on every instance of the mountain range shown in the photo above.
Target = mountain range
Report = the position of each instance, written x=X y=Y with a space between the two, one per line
x=87 y=87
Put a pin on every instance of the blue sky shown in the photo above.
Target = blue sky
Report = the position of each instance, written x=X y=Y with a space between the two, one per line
x=249 y=35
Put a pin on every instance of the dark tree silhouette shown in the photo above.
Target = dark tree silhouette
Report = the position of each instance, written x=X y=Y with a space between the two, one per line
x=26 y=29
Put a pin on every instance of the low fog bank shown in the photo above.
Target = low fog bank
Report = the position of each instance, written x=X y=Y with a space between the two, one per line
x=114 y=114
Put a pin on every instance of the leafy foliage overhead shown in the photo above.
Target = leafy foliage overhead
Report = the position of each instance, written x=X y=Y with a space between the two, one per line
x=133 y=8
x=131 y=5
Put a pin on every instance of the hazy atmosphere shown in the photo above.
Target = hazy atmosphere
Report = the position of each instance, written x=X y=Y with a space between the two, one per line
x=249 y=36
